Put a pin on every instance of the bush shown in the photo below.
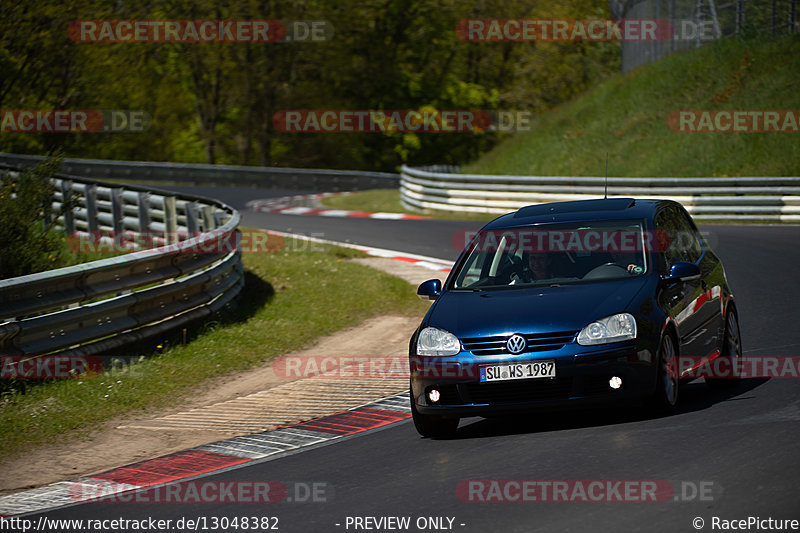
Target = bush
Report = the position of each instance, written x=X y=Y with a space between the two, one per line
x=29 y=240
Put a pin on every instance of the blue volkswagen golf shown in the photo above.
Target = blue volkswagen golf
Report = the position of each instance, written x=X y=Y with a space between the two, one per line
x=571 y=303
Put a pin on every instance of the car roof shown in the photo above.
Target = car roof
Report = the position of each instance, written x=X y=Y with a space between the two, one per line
x=580 y=211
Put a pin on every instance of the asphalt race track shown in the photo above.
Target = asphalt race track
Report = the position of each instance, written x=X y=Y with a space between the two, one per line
x=729 y=454
x=425 y=237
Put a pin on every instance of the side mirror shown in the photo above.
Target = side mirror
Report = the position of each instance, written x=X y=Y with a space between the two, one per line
x=682 y=271
x=429 y=290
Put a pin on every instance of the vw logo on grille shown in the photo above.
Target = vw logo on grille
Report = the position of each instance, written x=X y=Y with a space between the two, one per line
x=515 y=344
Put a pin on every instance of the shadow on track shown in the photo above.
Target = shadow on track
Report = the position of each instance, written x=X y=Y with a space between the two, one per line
x=695 y=396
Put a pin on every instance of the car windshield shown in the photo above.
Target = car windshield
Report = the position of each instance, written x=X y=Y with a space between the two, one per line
x=554 y=254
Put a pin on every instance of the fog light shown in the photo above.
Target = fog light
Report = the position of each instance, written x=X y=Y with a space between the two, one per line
x=433 y=395
x=615 y=382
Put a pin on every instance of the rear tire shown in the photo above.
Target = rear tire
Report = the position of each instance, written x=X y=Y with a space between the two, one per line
x=433 y=426
x=732 y=350
x=665 y=397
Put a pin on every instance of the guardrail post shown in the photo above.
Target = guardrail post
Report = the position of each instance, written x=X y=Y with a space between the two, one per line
x=144 y=212
x=191 y=218
x=209 y=222
x=117 y=204
x=218 y=219
x=170 y=220
x=66 y=200
x=91 y=207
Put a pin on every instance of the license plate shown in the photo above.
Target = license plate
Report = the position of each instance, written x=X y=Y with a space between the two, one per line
x=532 y=370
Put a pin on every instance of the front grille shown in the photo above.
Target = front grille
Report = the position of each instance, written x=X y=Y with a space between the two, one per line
x=520 y=390
x=537 y=342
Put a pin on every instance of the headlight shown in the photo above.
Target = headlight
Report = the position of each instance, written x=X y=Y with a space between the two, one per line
x=433 y=341
x=614 y=328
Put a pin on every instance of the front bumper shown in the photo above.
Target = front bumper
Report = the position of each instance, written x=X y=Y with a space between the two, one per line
x=582 y=378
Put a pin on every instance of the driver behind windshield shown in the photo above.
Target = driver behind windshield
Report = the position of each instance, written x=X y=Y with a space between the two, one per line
x=535 y=266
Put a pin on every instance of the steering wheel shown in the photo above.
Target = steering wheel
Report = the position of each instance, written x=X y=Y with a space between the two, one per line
x=516 y=268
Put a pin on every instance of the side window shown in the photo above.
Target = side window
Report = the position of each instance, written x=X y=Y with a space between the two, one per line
x=687 y=237
x=666 y=223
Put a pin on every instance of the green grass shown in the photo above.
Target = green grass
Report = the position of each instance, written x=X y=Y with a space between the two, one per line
x=627 y=116
x=291 y=298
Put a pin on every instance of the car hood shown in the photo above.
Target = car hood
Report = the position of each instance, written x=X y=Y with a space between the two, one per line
x=531 y=310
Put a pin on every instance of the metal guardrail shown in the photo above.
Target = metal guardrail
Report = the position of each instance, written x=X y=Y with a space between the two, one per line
x=728 y=198
x=218 y=175
x=95 y=307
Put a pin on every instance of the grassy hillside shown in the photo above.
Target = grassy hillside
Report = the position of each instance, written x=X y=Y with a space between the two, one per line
x=627 y=116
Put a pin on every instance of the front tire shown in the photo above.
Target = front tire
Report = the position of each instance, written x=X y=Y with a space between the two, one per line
x=433 y=426
x=667 y=387
x=732 y=350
